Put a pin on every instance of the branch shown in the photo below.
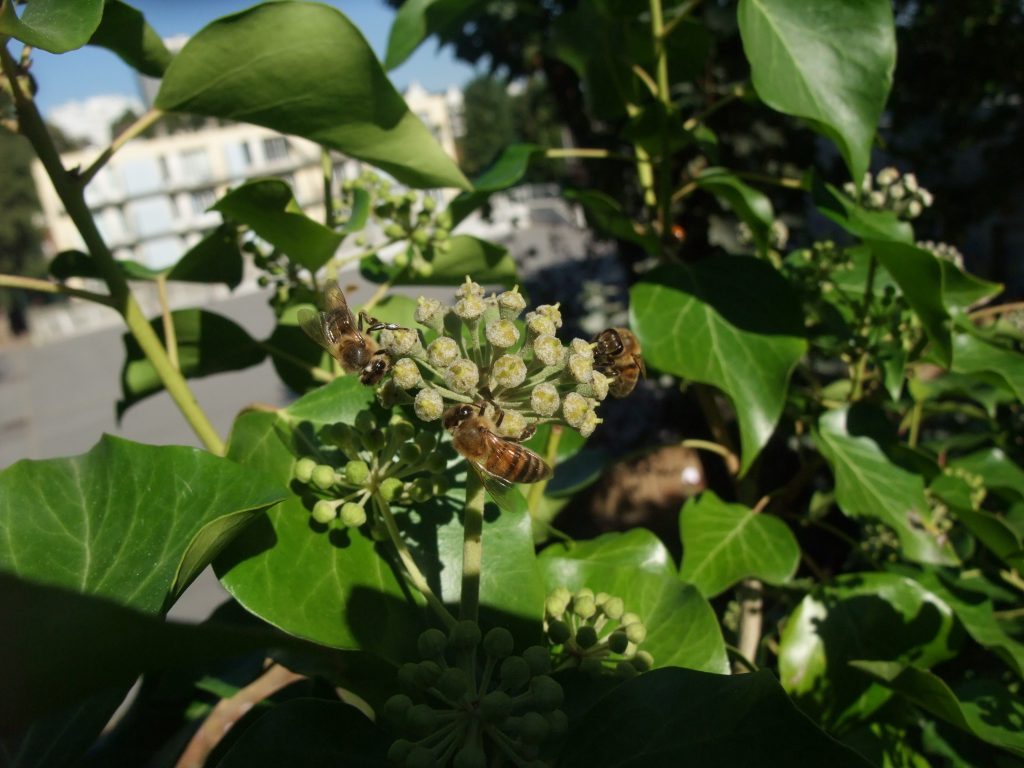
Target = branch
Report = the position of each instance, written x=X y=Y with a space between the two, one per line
x=45 y=286
x=139 y=126
x=472 y=546
x=751 y=619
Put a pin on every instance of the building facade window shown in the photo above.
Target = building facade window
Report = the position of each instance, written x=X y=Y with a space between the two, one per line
x=276 y=148
x=201 y=200
x=196 y=165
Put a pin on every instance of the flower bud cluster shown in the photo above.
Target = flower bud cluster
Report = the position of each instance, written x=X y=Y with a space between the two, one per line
x=384 y=461
x=457 y=712
x=488 y=348
x=595 y=633
x=778 y=234
x=944 y=251
x=891 y=191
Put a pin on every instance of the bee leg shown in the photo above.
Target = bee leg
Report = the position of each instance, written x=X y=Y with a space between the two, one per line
x=373 y=324
x=527 y=433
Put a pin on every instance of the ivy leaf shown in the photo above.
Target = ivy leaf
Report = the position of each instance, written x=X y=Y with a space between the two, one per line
x=334 y=588
x=56 y=26
x=124 y=31
x=605 y=214
x=732 y=322
x=984 y=708
x=681 y=626
x=972 y=354
x=507 y=171
x=683 y=717
x=869 y=485
x=486 y=262
x=858 y=221
x=316 y=77
x=267 y=207
x=415 y=21
x=723 y=543
x=877 y=616
x=1000 y=473
x=830 y=64
x=314 y=733
x=751 y=206
x=207 y=344
x=919 y=275
x=129 y=522
x=962 y=290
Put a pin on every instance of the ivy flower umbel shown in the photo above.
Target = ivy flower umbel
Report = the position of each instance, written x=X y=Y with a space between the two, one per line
x=486 y=348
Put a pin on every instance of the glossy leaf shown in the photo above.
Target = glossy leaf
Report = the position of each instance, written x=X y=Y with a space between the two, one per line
x=77 y=264
x=723 y=543
x=972 y=354
x=336 y=588
x=485 y=262
x=876 y=616
x=337 y=401
x=751 y=206
x=129 y=522
x=415 y=21
x=507 y=171
x=312 y=733
x=268 y=208
x=732 y=322
x=1000 y=473
x=961 y=290
x=681 y=626
x=124 y=31
x=829 y=64
x=984 y=708
x=858 y=221
x=69 y=645
x=316 y=77
x=682 y=717
x=919 y=275
x=207 y=344
x=869 y=485
x=56 y=26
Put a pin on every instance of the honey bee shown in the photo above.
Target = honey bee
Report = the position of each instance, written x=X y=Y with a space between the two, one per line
x=618 y=355
x=336 y=330
x=474 y=435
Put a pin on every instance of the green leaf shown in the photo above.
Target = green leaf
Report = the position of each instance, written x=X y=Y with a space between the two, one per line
x=268 y=208
x=315 y=77
x=732 y=322
x=961 y=290
x=56 y=26
x=507 y=171
x=417 y=20
x=723 y=543
x=682 y=717
x=485 y=262
x=919 y=275
x=858 y=221
x=830 y=64
x=977 y=614
x=133 y=523
x=605 y=214
x=998 y=470
x=312 y=733
x=869 y=485
x=69 y=645
x=124 y=31
x=77 y=264
x=336 y=588
x=359 y=212
x=972 y=354
x=876 y=616
x=681 y=626
x=984 y=708
x=338 y=401
x=751 y=206
x=207 y=344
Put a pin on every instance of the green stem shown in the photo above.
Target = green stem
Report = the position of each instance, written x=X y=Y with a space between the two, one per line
x=45 y=286
x=576 y=152
x=327 y=167
x=141 y=125
x=121 y=298
x=683 y=13
x=915 y=423
x=661 y=74
x=416 y=577
x=472 y=546
x=550 y=456
x=170 y=336
x=857 y=391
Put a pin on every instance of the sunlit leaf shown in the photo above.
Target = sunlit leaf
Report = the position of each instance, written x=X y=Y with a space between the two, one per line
x=56 y=26
x=124 y=31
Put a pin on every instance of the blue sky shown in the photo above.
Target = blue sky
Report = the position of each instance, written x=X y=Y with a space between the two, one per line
x=91 y=71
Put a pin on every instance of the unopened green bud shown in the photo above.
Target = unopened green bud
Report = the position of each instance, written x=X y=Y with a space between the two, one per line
x=538 y=658
x=514 y=672
x=636 y=632
x=613 y=608
x=558 y=631
x=586 y=636
x=464 y=635
x=324 y=511
x=534 y=727
x=425 y=441
x=428 y=672
x=406 y=374
x=469 y=289
x=398 y=752
x=511 y=304
x=502 y=334
x=323 y=476
x=394 y=231
x=429 y=405
x=454 y=683
x=357 y=472
x=471 y=755
x=436 y=463
x=548 y=349
x=431 y=643
x=495 y=707
x=626 y=670
x=353 y=515
x=629 y=618
x=584 y=606
x=374 y=440
x=303 y=470
x=421 y=718
x=421 y=237
x=396 y=707
x=591 y=665
x=390 y=488
x=509 y=371
x=407 y=676
x=498 y=643
x=547 y=694
x=470 y=308
x=538 y=325
x=462 y=375
x=429 y=312
x=557 y=601
x=421 y=489
x=409 y=453
x=365 y=421
x=544 y=399
x=574 y=409
x=643 y=661
x=618 y=642
x=558 y=721
x=420 y=757
x=442 y=352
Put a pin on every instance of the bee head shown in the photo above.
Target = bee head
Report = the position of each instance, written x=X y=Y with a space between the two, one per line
x=456 y=415
x=609 y=342
x=374 y=370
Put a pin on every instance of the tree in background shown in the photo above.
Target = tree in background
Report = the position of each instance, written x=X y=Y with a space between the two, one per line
x=20 y=239
x=487 y=112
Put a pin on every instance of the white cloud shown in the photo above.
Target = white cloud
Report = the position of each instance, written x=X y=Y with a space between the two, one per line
x=90 y=118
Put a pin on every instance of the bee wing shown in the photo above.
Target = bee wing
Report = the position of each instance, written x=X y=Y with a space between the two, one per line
x=501 y=491
x=334 y=298
x=513 y=455
x=639 y=360
x=313 y=323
